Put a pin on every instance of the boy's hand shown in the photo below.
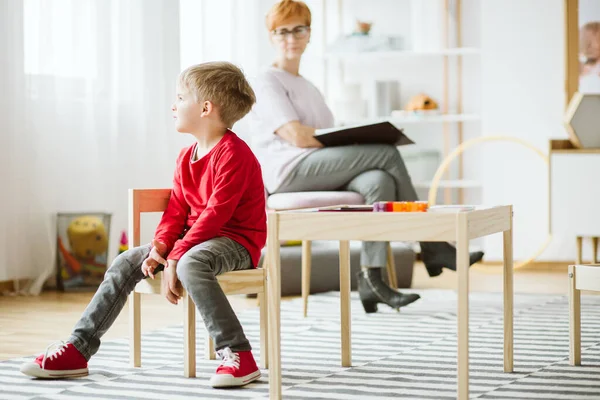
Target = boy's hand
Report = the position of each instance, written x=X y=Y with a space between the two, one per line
x=171 y=285
x=155 y=258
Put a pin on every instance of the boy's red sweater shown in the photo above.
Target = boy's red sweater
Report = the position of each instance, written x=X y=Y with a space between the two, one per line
x=221 y=194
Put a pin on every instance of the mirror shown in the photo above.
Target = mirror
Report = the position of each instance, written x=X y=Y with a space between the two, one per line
x=582 y=118
x=583 y=46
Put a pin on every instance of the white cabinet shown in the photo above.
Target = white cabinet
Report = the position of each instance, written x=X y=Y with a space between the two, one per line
x=574 y=197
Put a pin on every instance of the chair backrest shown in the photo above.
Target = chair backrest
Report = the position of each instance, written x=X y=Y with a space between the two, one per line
x=143 y=201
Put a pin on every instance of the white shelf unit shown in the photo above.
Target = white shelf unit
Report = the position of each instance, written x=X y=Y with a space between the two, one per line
x=451 y=183
x=376 y=55
x=449 y=119
x=415 y=119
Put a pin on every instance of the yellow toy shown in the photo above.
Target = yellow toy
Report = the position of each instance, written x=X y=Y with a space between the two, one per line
x=87 y=237
x=421 y=102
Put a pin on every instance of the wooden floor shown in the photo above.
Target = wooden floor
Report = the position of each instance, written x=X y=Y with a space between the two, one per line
x=29 y=324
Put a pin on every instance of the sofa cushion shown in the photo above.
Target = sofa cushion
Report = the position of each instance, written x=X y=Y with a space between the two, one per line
x=325 y=275
x=293 y=200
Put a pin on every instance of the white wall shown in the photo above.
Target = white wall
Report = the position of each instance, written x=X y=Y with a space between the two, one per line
x=232 y=30
x=522 y=96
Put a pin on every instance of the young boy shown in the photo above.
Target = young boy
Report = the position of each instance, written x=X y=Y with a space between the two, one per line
x=215 y=222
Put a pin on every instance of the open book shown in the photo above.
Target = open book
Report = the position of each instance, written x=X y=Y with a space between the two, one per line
x=382 y=132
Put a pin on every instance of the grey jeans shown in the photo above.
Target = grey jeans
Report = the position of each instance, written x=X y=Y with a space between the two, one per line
x=197 y=271
x=375 y=171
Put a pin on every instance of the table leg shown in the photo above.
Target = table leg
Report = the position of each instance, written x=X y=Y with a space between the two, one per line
x=135 y=329
x=574 y=318
x=345 y=303
x=508 y=298
x=462 y=268
x=189 y=336
x=274 y=301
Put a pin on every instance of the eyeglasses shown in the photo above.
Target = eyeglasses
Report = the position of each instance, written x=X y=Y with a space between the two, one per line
x=299 y=32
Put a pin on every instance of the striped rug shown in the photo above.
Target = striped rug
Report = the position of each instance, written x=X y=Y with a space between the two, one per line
x=405 y=355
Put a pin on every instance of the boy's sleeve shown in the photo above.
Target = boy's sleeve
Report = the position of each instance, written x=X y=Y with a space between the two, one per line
x=231 y=179
x=173 y=219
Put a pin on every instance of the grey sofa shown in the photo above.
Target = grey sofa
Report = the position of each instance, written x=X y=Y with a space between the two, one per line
x=325 y=266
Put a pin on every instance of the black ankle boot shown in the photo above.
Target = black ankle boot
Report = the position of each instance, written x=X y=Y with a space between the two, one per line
x=372 y=290
x=438 y=255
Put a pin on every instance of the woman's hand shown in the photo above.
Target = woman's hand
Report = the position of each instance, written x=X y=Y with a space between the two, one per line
x=171 y=285
x=299 y=135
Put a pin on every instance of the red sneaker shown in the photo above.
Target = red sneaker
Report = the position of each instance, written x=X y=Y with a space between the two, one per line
x=65 y=362
x=236 y=369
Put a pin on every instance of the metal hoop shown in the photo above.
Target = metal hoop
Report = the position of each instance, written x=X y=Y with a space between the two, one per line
x=470 y=143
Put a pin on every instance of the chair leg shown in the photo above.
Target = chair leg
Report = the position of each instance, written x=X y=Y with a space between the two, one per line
x=189 y=336
x=135 y=332
x=306 y=265
x=574 y=318
x=264 y=331
x=209 y=348
x=579 y=250
x=595 y=249
x=391 y=268
x=264 y=267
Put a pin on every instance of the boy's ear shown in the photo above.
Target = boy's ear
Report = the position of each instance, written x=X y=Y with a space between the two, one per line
x=207 y=108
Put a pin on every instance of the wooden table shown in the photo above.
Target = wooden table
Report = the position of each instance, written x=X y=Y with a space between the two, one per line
x=459 y=227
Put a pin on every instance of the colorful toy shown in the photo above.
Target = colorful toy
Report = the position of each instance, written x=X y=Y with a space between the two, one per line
x=290 y=242
x=73 y=267
x=86 y=260
x=87 y=237
x=421 y=102
x=123 y=244
x=82 y=249
x=363 y=28
x=400 y=206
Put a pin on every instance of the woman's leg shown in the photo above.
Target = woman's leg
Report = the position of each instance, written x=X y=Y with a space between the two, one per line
x=333 y=168
x=376 y=185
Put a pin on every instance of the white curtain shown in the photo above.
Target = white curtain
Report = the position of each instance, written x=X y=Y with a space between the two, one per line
x=86 y=88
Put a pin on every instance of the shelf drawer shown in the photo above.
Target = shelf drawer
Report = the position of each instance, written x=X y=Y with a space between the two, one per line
x=574 y=195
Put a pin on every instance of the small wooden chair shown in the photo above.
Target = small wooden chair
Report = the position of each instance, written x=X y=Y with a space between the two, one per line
x=581 y=277
x=236 y=282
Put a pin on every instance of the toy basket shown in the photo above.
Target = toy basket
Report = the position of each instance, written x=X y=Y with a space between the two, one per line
x=82 y=250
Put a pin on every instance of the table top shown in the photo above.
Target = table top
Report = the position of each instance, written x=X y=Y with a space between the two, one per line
x=433 y=225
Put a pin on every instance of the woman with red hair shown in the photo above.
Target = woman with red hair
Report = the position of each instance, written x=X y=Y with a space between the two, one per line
x=288 y=109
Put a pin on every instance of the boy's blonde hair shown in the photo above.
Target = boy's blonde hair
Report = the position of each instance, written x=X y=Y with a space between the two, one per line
x=285 y=10
x=589 y=35
x=224 y=85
